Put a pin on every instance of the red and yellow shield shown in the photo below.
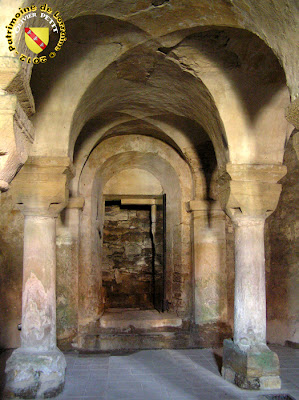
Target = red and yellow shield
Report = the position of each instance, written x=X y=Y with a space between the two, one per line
x=37 y=39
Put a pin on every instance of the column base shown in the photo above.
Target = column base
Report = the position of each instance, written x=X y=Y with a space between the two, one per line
x=256 y=368
x=31 y=375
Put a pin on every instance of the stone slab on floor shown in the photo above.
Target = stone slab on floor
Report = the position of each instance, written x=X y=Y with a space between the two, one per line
x=191 y=374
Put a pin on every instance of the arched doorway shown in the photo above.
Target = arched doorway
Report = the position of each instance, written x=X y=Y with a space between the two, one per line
x=134 y=241
x=122 y=183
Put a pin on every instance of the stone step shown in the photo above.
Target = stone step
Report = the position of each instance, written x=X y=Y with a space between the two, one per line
x=123 y=319
x=135 y=329
x=135 y=341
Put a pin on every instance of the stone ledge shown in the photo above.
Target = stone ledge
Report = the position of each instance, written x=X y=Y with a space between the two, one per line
x=76 y=202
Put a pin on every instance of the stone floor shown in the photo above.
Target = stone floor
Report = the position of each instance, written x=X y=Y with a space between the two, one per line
x=163 y=375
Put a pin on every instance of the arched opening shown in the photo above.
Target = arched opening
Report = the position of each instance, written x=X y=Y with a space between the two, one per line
x=125 y=179
x=133 y=241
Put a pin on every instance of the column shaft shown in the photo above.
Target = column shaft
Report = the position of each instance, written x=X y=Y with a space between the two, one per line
x=250 y=295
x=249 y=193
x=39 y=282
x=37 y=368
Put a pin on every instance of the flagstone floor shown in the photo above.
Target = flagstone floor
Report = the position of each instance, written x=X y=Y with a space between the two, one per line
x=191 y=374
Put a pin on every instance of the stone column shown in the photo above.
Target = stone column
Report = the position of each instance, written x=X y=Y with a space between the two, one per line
x=67 y=256
x=37 y=368
x=210 y=295
x=250 y=290
x=250 y=194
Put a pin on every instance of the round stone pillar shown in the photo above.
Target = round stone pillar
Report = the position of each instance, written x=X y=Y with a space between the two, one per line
x=39 y=282
x=249 y=194
x=250 y=290
x=37 y=368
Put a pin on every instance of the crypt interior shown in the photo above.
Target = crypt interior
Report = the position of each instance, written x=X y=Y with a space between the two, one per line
x=149 y=187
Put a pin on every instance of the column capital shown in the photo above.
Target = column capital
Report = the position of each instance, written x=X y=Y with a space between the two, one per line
x=250 y=190
x=17 y=135
x=41 y=187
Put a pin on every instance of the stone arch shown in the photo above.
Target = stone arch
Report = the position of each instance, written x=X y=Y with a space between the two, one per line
x=194 y=95
x=172 y=132
x=108 y=158
x=272 y=23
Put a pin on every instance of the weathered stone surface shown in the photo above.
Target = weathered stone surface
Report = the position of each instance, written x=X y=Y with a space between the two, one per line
x=210 y=334
x=17 y=135
x=249 y=200
x=210 y=272
x=282 y=274
x=127 y=257
x=292 y=113
x=35 y=375
x=11 y=271
x=124 y=319
x=164 y=164
x=154 y=95
x=256 y=368
x=67 y=280
x=36 y=369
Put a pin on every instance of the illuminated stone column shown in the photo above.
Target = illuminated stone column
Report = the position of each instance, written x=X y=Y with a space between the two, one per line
x=37 y=368
x=250 y=194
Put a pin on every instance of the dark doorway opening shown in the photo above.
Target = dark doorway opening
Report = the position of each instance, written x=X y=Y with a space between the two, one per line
x=133 y=259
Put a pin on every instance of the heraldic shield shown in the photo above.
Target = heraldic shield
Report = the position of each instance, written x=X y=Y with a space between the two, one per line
x=37 y=39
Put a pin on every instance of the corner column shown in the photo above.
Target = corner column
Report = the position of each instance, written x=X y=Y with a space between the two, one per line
x=37 y=368
x=249 y=194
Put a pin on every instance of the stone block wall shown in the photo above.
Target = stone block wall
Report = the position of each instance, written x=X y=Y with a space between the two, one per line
x=282 y=257
x=11 y=271
x=281 y=265
x=127 y=257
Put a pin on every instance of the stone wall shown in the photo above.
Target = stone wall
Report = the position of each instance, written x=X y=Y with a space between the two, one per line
x=282 y=273
x=127 y=257
x=281 y=267
x=281 y=253
x=67 y=229
x=230 y=268
x=11 y=271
